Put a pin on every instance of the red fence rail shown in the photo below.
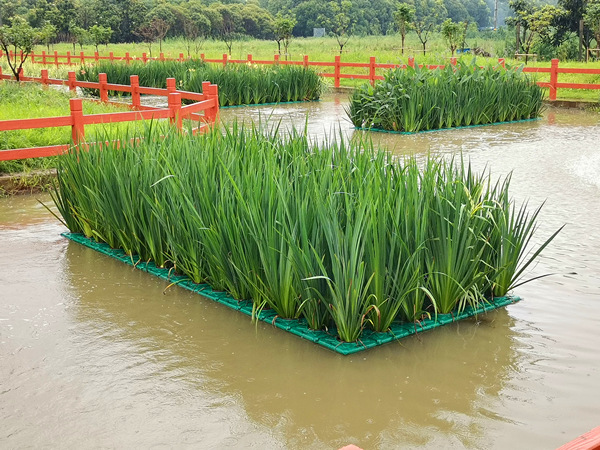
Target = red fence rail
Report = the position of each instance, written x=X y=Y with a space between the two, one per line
x=207 y=102
x=337 y=65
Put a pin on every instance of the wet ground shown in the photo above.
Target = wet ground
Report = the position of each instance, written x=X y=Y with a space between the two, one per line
x=96 y=354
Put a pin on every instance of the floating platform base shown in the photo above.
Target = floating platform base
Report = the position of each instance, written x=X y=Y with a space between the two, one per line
x=369 y=338
x=381 y=130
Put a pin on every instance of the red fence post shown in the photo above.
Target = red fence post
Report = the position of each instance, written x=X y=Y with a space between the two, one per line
x=96 y=56
x=32 y=57
x=56 y=58
x=171 y=85
x=336 y=72
x=103 y=91
x=175 y=109
x=211 y=92
x=44 y=57
x=144 y=57
x=276 y=59
x=372 y=70
x=127 y=58
x=181 y=57
x=305 y=60
x=249 y=58
x=453 y=60
x=1 y=77
x=77 y=129
x=411 y=62
x=69 y=58
x=502 y=62
x=224 y=59
x=111 y=56
x=21 y=73
x=82 y=58
x=553 y=78
x=134 y=80
x=161 y=56
x=72 y=81
x=44 y=77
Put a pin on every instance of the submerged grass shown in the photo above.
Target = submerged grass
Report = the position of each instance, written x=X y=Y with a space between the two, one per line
x=418 y=99
x=238 y=84
x=339 y=234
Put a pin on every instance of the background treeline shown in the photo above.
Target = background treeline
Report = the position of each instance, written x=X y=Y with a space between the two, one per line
x=256 y=18
x=561 y=28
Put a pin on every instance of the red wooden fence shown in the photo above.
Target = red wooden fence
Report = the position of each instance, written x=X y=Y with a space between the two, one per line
x=337 y=65
x=207 y=102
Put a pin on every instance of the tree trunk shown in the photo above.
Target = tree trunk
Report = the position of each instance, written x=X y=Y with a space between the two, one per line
x=403 y=36
x=424 y=44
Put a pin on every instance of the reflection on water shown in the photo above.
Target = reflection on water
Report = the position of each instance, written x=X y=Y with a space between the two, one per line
x=329 y=399
x=93 y=353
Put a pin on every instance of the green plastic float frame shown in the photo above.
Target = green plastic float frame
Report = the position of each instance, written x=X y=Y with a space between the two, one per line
x=369 y=338
x=381 y=130
x=269 y=104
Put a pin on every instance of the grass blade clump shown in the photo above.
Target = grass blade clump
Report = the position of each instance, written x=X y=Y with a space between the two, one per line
x=337 y=234
x=239 y=84
x=419 y=99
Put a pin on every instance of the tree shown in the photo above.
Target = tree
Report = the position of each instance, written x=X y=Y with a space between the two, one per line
x=284 y=25
x=231 y=24
x=100 y=35
x=535 y=23
x=162 y=18
x=195 y=29
x=403 y=17
x=47 y=34
x=592 y=19
x=427 y=16
x=19 y=37
x=78 y=36
x=257 y=22
x=453 y=34
x=340 y=24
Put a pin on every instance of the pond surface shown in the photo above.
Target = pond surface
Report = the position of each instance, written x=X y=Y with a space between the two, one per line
x=94 y=353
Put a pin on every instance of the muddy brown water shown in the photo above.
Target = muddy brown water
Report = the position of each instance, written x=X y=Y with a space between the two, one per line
x=96 y=354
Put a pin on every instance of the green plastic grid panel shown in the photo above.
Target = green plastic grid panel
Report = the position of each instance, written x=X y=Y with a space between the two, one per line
x=269 y=104
x=369 y=338
x=380 y=130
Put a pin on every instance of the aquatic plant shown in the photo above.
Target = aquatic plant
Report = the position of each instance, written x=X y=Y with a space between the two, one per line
x=417 y=99
x=338 y=234
x=239 y=84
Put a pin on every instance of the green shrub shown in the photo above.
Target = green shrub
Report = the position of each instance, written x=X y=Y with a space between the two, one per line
x=239 y=84
x=339 y=234
x=412 y=100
